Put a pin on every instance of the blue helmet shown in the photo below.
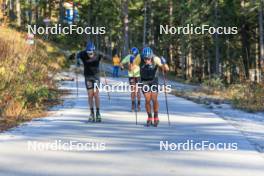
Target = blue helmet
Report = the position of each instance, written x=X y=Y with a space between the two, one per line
x=90 y=48
x=147 y=52
x=134 y=51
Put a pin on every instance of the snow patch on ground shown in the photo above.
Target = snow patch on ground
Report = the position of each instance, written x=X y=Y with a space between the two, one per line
x=250 y=124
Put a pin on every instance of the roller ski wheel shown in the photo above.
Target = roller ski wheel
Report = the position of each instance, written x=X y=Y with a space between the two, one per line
x=98 y=118
x=91 y=118
x=149 y=122
x=138 y=108
x=156 y=122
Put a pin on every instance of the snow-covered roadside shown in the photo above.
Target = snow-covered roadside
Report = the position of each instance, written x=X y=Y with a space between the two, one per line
x=250 y=124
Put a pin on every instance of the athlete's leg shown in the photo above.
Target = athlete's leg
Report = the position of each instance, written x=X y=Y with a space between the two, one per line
x=117 y=70
x=97 y=98
x=90 y=98
x=138 y=94
x=147 y=96
x=154 y=97
x=89 y=87
x=90 y=92
x=91 y=105
x=113 y=71
x=133 y=92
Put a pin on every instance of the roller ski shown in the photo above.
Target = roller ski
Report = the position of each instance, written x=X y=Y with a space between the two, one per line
x=138 y=107
x=91 y=118
x=98 y=117
x=156 y=122
x=133 y=107
x=149 y=122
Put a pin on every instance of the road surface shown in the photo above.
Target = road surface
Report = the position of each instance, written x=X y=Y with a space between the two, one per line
x=124 y=147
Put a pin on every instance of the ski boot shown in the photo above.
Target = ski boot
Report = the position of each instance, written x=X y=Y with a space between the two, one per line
x=156 y=122
x=91 y=118
x=98 y=117
x=138 y=108
x=149 y=122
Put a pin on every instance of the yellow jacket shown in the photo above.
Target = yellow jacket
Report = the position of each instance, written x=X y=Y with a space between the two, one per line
x=116 y=61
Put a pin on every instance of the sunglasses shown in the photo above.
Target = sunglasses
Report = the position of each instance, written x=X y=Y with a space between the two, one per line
x=90 y=54
x=147 y=59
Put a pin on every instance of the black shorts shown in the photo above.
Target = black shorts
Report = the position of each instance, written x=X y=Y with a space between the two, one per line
x=91 y=83
x=133 y=80
x=149 y=86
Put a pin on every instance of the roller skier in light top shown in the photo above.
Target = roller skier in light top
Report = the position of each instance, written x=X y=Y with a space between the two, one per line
x=133 y=60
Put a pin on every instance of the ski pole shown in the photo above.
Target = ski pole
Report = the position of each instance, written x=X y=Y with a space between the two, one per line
x=105 y=80
x=77 y=84
x=76 y=78
x=135 y=98
x=166 y=98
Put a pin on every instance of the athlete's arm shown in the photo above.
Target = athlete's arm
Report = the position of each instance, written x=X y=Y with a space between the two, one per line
x=78 y=58
x=161 y=62
x=103 y=57
x=125 y=60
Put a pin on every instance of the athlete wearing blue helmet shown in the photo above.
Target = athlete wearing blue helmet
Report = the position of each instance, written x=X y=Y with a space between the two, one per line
x=91 y=61
x=134 y=51
x=149 y=79
x=90 y=48
x=133 y=60
x=147 y=52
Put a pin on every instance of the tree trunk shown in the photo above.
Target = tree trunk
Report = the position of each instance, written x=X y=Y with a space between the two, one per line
x=11 y=10
x=73 y=9
x=209 y=65
x=18 y=13
x=36 y=12
x=145 y=23
x=50 y=9
x=30 y=12
x=217 y=53
x=261 y=43
x=125 y=21
x=89 y=17
x=245 y=47
x=2 y=10
x=171 y=45
x=189 y=63
x=151 y=26
x=61 y=11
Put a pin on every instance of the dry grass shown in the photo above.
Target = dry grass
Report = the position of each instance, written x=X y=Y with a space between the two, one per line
x=247 y=96
x=26 y=71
